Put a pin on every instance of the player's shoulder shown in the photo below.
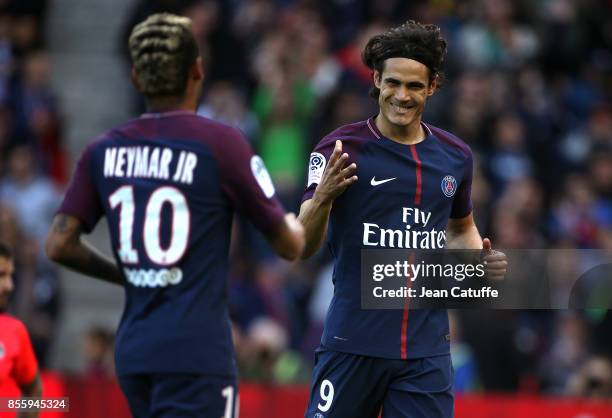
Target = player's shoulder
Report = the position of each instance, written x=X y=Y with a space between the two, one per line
x=186 y=126
x=356 y=132
x=207 y=127
x=12 y=324
x=450 y=140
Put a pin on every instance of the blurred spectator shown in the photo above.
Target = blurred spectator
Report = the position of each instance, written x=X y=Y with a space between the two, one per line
x=226 y=104
x=497 y=39
x=36 y=120
x=466 y=112
x=353 y=69
x=509 y=160
x=9 y=226
x=574 y=215
x=592 y=380
x=267 y=358
x=7 y=59
x=596 y=134
x=37 y=298
x=568 y=352
x=32 y=197
x=98 y=349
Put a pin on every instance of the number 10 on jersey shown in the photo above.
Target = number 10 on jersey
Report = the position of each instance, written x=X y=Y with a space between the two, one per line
x=123 y=198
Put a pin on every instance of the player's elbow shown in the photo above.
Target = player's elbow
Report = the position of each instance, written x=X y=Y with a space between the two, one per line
x=291 y=247
x=293 y=251
x=56 y=247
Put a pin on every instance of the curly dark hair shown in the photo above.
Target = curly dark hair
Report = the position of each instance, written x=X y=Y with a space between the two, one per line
x=6 y=251
x=414 y=40
x=163 y=48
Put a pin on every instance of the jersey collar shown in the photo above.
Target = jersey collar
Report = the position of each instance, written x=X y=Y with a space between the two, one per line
x=150 y=115
x=374 y=129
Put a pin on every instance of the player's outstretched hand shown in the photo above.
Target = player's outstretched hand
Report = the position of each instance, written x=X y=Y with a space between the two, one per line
x=337 y=176
x=496 y=262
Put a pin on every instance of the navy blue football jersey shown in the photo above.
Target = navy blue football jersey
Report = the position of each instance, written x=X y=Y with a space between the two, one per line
x=404 y=197
x=168 y=185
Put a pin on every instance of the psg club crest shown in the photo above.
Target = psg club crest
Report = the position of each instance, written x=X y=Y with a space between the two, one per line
x=449 y=186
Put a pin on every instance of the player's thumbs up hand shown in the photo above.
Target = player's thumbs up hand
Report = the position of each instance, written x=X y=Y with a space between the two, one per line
x=496 y=262
x=337 y=176
x=486 y=245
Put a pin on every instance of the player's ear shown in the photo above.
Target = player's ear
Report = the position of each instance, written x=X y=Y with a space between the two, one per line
x=197 y=69
x=134 y=78
x=433 y=86
x=376 y=76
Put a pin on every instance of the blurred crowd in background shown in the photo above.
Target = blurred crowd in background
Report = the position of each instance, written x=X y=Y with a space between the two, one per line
x=33 y=166
x=527 y=85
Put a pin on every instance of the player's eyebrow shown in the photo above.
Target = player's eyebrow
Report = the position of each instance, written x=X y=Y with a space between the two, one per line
x=416 y=84
x=393 y=80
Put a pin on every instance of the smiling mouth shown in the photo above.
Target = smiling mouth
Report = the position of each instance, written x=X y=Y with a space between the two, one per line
x=401 y=108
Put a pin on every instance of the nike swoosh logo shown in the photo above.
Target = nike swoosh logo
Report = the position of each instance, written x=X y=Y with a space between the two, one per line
x=374 y=182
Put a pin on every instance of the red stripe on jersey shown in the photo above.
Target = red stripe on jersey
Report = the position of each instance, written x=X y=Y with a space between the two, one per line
x=419 y=180
x=404 y=331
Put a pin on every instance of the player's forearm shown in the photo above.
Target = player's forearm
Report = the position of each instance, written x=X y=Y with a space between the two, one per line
x=64 y=246
x=288 y=239
x=314 y=215
x=87 y=260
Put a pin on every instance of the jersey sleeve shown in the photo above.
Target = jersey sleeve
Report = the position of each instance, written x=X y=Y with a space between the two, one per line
x=319 y=157
x=462 y=203
x=81 y=199
x=247 y=183
x=26 y=366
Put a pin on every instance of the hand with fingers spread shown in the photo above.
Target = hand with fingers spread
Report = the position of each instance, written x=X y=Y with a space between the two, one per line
x=496 y=262
x=337 y=176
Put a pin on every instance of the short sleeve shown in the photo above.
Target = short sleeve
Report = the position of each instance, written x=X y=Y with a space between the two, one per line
x=462 y=203
x=26 y=365
x=319 y=157
x=81 y=199
x=247 y=183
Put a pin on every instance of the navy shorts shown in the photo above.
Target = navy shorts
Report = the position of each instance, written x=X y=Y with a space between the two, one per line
x=177 y=395
x=349 y=385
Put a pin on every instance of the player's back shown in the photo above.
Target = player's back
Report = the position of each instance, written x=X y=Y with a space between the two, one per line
x=168 y=184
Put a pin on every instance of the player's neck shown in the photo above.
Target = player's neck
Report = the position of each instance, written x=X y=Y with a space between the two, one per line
x=407 y=135
x=170 y=104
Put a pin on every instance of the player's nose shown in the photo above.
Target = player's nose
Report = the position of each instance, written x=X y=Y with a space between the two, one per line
x=401 y=95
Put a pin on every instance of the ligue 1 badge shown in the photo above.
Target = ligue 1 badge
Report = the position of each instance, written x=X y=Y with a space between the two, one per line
x=449 y=186
x=2 y=351
x=316 y=168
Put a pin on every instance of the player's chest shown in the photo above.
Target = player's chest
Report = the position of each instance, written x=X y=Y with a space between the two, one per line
x=7 y=358
x=406 y=175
